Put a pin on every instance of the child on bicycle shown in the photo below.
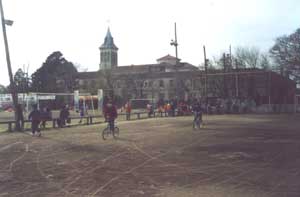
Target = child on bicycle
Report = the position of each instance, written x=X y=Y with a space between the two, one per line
x=110 y=114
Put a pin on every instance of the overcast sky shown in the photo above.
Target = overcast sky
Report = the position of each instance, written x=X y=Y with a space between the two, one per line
x=142 y=29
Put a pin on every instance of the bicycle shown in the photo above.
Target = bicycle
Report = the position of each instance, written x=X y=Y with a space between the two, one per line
x=107 y=131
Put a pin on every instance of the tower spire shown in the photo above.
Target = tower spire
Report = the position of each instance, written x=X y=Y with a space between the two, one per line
x=108 y=52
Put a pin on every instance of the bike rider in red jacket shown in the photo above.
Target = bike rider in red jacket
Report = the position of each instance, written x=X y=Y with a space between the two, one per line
x=110 y=114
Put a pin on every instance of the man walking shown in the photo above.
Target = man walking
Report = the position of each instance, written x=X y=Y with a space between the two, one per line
x=34 y=116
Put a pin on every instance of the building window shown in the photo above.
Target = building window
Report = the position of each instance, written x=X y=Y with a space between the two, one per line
x=171 y=83
x=162 y=69
x=93 y=83
x=145 y=84
x=188 y=83
x=161 y=96
x=161 y=83
x=150 y=83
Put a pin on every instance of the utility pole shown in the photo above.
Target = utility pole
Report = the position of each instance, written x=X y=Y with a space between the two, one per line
x=230 y=57
x=236 y=79
x=175 y=43
x=12 y=83
x=205 y=83
x=224 y=77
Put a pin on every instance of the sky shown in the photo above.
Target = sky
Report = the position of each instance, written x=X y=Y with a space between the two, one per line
x=142 y=29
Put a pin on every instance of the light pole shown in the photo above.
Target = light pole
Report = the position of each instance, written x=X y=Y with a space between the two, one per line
x=12 y=83
x=175 y=44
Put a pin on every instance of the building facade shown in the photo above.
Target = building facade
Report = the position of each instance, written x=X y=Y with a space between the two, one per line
x=170 y=79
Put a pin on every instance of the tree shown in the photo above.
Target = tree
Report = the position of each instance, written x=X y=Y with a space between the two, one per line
x=247 y=57
x=3 y=89
x=265 y=62
x=286 y=53
x=56 y=69
x=22 y=81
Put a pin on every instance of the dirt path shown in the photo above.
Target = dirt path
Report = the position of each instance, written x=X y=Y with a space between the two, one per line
x=251 y=155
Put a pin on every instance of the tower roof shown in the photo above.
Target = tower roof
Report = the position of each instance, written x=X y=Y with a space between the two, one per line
x=108 y=41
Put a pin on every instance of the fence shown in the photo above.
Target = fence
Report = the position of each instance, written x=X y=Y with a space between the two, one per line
x=88 y=120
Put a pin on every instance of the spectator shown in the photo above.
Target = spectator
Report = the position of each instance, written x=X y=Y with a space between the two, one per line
x=82 y=112
x=197 y=110
x=20 y=115
x=173 y=107
x=150 y=110
x=64 y=116
x=45 y=116
x=127 y=110
x=168 y=109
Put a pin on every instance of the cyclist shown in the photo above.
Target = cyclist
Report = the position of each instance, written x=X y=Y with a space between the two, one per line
x=110 y=114
x=197 y=110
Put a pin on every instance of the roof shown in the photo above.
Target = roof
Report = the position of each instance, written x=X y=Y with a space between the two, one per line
x=167 y=57
x=108 y=42
x=141 y=69
x=146 y=68
x=87 y=75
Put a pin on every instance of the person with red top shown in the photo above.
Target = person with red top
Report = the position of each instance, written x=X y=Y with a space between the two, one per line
x=110 y=114
x=128 y=110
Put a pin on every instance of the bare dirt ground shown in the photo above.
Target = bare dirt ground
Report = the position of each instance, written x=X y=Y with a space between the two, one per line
x=248 y=155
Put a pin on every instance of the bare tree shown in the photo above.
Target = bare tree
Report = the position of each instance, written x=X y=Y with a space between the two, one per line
x=265 y=62
x=247 y=57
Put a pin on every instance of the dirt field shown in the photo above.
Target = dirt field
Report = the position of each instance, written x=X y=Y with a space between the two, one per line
x=249 y=155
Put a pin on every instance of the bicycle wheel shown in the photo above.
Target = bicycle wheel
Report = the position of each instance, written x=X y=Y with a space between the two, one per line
x=116 y=132
x=105 y=133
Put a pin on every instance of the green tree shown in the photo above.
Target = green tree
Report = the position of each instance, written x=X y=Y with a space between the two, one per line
x=286 y=53
x=3 y=89
x=22 y=81
x=55 y=75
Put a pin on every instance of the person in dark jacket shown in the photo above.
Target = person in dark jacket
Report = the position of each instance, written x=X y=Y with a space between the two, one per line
x=19 y=111
x=45 y=116
x=197 y=110
x=34 y=116
x=63 y=116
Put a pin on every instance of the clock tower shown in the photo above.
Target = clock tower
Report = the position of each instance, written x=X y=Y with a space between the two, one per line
x=108 y=53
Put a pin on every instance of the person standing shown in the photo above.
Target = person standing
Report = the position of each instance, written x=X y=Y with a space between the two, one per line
x=150 y=110
x=45 y=116
x=20 y=115
x=82 y=113
x=35 y=117
x=127 y=110
x=197 y=110
x=63 y=116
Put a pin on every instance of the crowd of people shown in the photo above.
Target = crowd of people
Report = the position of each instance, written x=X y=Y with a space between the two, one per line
x=171 y=108
x=39 y=117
